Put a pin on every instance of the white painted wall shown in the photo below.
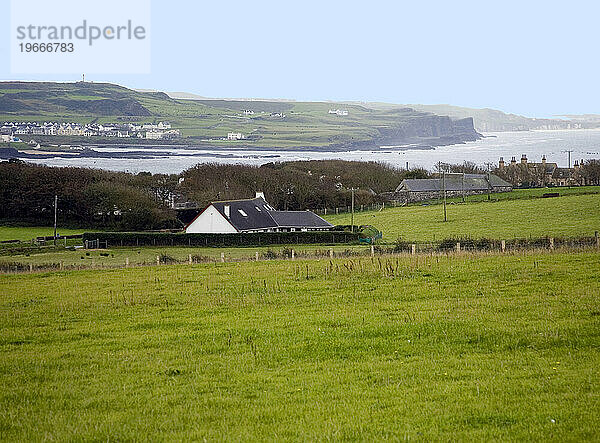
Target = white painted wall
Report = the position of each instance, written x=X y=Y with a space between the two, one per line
x=210 y=222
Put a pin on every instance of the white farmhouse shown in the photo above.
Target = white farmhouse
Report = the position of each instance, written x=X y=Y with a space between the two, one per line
x=253 y=215
x=234 y=136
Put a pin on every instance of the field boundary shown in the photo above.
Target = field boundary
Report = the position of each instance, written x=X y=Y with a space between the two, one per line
x=290 y=254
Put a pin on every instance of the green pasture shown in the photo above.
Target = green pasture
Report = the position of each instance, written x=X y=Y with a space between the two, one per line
x=474 y=347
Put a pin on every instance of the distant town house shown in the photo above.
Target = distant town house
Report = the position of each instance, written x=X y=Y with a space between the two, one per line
x=341 y=112
x=235 y=136
x=544 y=173
x=162 y=130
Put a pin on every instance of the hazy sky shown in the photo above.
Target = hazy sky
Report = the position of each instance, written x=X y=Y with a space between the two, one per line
x=536 y=58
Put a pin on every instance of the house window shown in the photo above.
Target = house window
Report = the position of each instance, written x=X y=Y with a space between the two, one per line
x=241 y=211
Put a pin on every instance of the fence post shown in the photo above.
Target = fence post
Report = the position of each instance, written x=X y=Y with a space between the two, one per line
x=61 y=265
x=126 y=262
x=458 y=247
x=157 y=260
x=597 y=239
x=551 y=243
x=413 y=249
x=503 y=245
x=372 y=251
x=256 y=255
x=337 y=210
x=222 y=257
x=331 y=253
x=293 y=255
x=190 y=258
x=30 y=267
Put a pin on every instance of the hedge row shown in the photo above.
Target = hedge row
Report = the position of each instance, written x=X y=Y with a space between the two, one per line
x=113 y=239
x=488 y=244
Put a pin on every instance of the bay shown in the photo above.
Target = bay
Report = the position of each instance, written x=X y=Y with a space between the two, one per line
x=584 y=144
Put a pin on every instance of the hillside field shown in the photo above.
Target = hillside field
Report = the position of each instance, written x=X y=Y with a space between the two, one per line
x=471 y=347
x=568 y=215
x=27 y=233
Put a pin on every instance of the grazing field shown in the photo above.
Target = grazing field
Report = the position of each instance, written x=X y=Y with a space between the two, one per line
x=569 y=215
x=467 y=347
x=26 y=233
x=147 y=255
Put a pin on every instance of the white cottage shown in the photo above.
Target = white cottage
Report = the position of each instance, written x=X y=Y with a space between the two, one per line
x=253 y=215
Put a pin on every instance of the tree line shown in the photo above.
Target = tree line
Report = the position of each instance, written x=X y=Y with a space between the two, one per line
x=96 y=198
x=101 y=199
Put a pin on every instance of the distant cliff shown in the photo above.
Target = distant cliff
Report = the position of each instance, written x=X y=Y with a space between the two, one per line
x=262 y=124
x=492 y=120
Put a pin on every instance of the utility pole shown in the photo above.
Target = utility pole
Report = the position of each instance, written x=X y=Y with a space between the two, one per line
x=55 y=211
x=352 y=218
x=569 y=152
x=489 y=184
x=444 y=186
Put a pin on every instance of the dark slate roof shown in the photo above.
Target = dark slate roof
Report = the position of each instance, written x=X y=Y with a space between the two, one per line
x=497 y=182
x=260 y=215
x=548 y=168
x=561 y=173
x=302 y=219
x=255 y=219
x=472 y=182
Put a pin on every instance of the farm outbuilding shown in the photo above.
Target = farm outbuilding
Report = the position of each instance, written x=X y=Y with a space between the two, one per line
x=456 y=185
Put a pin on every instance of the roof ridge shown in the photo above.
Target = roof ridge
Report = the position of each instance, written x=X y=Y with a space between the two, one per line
x=238 y=200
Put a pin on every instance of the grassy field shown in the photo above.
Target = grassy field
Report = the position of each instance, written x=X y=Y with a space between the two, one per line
x=570 y=215
x=432 y=348
x=520 y=194
x=147 y=255
x=27 y=233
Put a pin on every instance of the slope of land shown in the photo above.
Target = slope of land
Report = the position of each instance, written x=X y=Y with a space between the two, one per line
x=569 y=215
x=274 y=124
x=427 y=348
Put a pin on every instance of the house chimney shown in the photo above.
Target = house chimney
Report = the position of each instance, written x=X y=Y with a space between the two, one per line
x=501 y=163
x=513 y=161
x=543 y=160
x=227 y=210
x=260 y=194
x=576 y=166
x=524 y=159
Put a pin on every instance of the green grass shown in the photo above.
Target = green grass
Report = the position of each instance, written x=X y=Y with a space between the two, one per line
x=572 y=215
x=147 y=255
x=27 y=233
x=460 y=348
x=519 y=194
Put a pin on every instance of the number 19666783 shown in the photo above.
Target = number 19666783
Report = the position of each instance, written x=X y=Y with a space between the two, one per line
x=46 y=47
